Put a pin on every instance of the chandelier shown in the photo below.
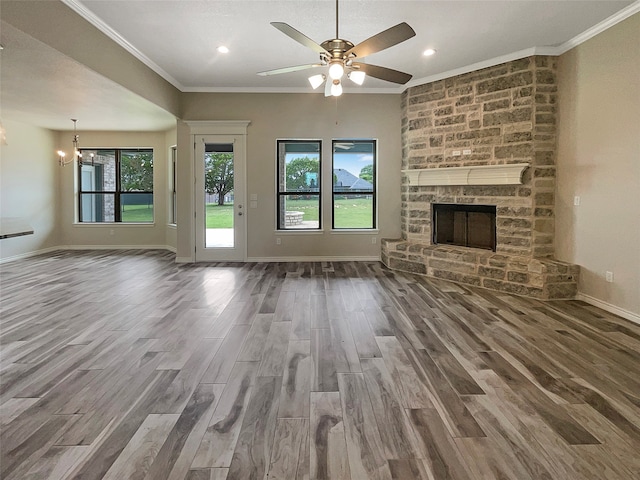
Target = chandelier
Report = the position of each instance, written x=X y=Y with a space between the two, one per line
x=77 y=154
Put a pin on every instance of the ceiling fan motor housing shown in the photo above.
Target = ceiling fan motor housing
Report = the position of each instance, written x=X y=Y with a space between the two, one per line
x=337 y=48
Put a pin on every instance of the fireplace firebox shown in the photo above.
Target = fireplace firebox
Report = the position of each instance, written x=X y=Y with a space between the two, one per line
x=464 y=225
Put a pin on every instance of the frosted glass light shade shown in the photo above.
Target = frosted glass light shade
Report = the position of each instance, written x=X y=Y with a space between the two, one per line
x=336 y=89
x=357 y=77
x=316 y=80
x=336 y=70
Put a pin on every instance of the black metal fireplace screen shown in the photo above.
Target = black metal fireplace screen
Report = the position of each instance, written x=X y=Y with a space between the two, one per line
x=464 y=225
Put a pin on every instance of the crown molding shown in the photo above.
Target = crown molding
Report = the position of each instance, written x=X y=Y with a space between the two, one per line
x=607 y=23
x=556 y=50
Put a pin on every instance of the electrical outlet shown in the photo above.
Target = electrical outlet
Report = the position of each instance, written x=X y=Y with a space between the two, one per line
x=466 y=152
x=373 y=240
x=455 y=153
x=111 y=232
x=609 y=276
x=278 y=241
x=576 y=200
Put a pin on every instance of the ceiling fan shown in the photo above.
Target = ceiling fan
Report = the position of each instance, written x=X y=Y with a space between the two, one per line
x=340 y=55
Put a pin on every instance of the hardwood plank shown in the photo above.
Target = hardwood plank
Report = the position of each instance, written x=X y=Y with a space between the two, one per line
x=274 y=355
x=256 y=337
x=408 y=468
x=290 y=446
x=443 y=458
x=137 y=457
x=177 y=451
x=253 y=450
x=554 y=415
x=325 y=372
x=220 y=367
x=364 y=445
x=413 y=390
x=395 y=431
x=175 y=398
x=301 y=316
x=19 y=460
x=328 y=455
x=117 y=437
x=220 y=438
x=363 y=337
x=56 y=463
x=447 y=401
x=296 y=383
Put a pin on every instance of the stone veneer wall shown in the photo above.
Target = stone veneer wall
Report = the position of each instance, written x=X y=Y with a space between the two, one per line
x=503 y=114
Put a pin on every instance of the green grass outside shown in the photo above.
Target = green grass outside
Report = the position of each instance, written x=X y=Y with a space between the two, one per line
x=348 y=213
x=219 y=216
x=137 y=213
x=353 y=213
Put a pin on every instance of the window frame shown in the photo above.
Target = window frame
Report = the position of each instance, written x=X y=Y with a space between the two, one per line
x=174 y=178
x=283 y=193
x=373 y=193
x=117 y=192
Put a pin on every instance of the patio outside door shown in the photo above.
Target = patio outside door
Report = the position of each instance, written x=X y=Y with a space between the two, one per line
x=220 y=210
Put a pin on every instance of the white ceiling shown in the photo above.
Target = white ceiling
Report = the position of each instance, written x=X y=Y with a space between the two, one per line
x=178 y=39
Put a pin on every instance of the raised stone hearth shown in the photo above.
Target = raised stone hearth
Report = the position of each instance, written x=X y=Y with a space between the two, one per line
x=541 y=278
x=496 y=117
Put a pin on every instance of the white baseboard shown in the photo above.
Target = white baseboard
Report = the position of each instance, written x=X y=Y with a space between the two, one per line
x=314 y=259
x=621 y=312
x=28 y=254
x=184 y=260
x=87 y=247
x=115 y=247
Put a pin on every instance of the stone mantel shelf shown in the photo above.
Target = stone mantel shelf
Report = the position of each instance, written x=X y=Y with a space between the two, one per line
x=474 y=175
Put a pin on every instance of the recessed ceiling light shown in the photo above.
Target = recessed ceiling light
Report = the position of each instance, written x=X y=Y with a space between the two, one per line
x=223 y=49
x=428 y=52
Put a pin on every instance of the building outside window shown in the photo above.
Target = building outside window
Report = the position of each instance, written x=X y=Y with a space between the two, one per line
x=299 y=185
x=354 y=184
x=116 y=186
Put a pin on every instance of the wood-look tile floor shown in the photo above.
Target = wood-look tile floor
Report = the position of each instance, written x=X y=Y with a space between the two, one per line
x=124 y=365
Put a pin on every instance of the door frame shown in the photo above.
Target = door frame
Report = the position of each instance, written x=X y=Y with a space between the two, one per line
x=234 y=128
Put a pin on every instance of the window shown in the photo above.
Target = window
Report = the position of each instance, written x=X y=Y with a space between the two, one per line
x=299 y=163
x=354 y=184
x=116 y=186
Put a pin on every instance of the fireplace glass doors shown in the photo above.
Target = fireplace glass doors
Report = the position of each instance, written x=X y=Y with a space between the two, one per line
x=464 y=225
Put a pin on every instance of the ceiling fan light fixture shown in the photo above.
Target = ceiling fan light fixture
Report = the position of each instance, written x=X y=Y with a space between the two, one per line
x=357 y=77
x=336 y=70
x=336 y=88
x=316 y=80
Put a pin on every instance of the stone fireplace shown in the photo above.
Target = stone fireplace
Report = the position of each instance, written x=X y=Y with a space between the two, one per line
x=485 y=138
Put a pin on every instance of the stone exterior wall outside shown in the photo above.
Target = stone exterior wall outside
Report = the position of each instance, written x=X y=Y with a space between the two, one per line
x=503 y=114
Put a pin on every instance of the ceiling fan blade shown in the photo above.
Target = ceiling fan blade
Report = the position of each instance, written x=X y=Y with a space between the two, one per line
x=327 y=87
x=278 y=71
x=383 y=73
x=388 y=38
x=298 y=36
